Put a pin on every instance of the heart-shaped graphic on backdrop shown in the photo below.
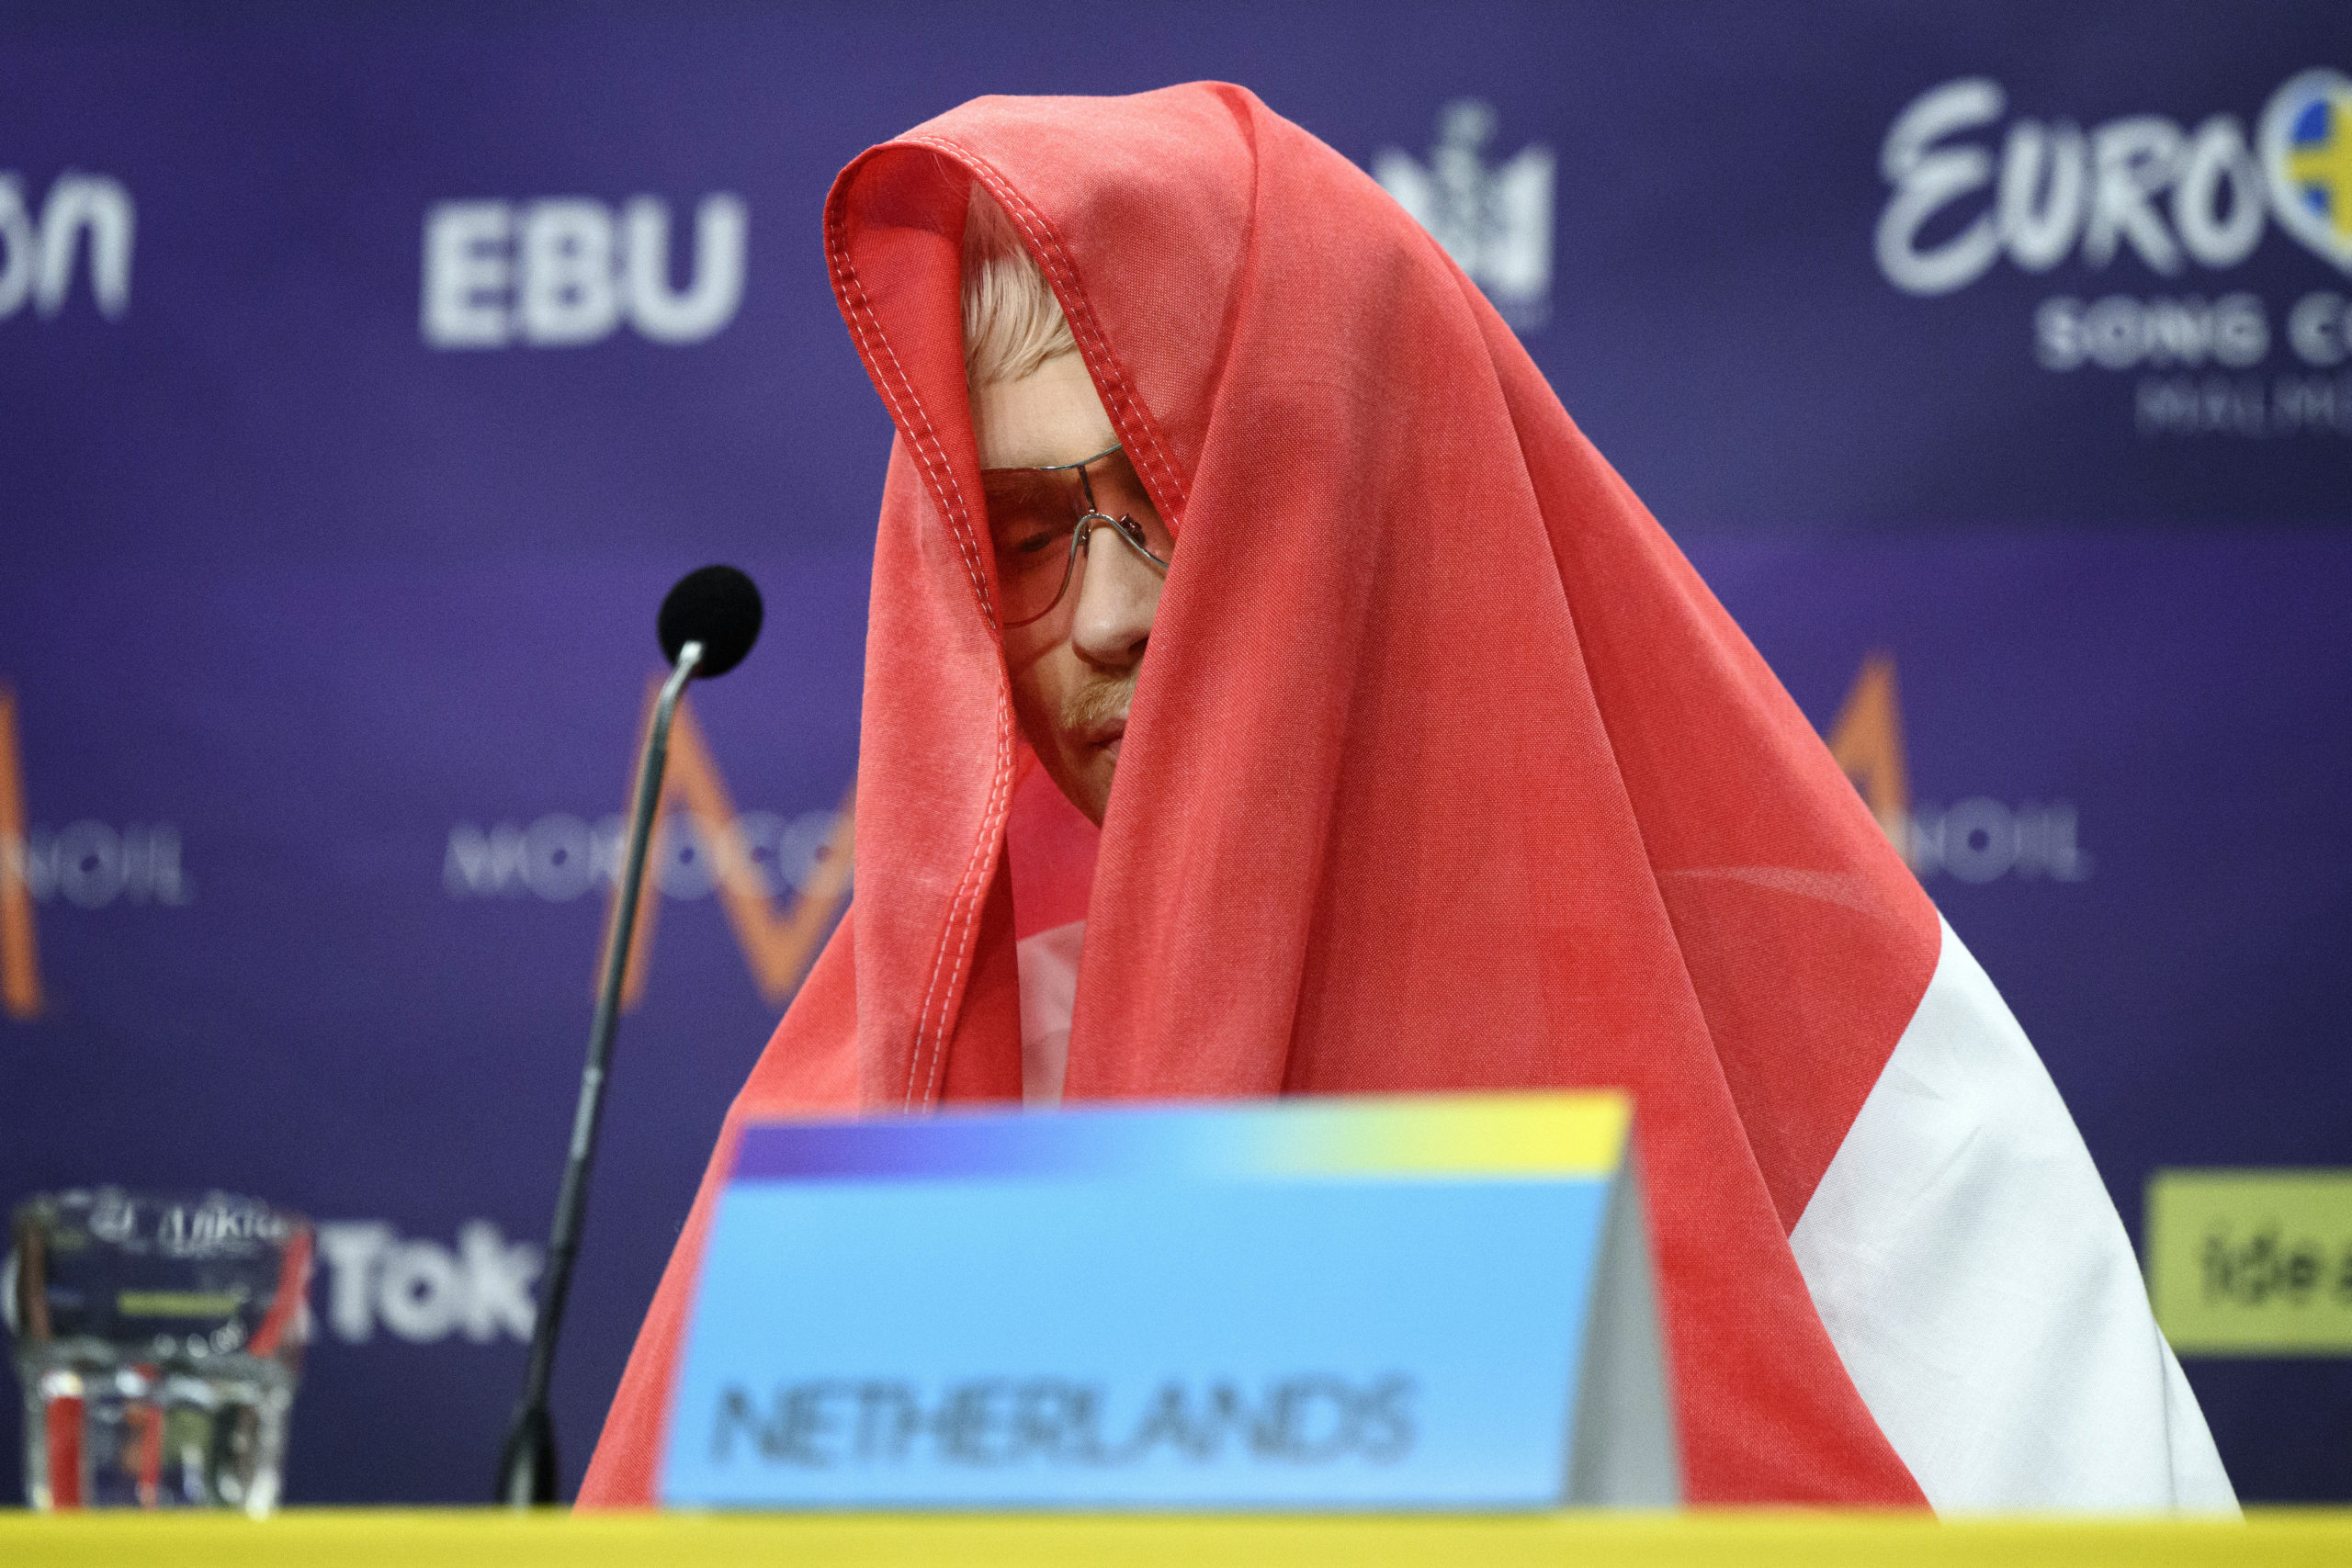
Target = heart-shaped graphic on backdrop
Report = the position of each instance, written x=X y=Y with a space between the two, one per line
x=2307 y=157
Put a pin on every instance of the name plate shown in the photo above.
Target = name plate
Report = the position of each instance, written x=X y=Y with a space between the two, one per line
x=1425 y=1302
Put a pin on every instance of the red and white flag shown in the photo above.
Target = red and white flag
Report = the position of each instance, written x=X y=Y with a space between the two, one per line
x=1444 y=771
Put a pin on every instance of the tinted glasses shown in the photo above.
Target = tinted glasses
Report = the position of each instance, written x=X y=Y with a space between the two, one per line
x=1041 y=521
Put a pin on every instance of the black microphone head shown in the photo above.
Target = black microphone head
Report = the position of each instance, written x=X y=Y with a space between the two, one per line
x=717 y=607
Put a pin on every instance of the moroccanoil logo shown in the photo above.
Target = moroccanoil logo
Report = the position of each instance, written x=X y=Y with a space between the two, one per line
x=1977 y=839
x=781 y=880
x=87 y=864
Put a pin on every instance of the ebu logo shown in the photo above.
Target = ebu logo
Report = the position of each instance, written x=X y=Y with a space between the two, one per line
x=567 y=271
x=1313 y=1419
x=38 y=252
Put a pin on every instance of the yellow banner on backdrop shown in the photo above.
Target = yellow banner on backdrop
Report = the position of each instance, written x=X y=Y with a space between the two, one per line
x=2252 y=1262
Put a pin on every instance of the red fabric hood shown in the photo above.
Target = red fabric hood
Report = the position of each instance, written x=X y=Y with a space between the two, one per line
x=1444 y=770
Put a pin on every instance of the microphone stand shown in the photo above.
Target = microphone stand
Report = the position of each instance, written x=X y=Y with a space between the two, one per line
x=527 y=1468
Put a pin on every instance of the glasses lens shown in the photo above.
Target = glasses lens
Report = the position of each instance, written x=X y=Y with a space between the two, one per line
x=1033 y=513
x=1031 y=517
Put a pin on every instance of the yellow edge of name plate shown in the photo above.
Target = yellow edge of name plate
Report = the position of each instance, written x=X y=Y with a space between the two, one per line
x=1556 y=1133
x=367 y=1538
x=2252 y=1262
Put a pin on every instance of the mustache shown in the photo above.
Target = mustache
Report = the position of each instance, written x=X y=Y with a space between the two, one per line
x=1098 y=702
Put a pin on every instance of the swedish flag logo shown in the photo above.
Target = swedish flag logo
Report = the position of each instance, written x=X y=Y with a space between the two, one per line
x=2307 y=153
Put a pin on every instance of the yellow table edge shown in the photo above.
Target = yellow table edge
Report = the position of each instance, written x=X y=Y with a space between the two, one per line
x=360 y=1536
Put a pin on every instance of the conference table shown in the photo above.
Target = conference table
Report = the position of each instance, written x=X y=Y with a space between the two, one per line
x=367 y=1536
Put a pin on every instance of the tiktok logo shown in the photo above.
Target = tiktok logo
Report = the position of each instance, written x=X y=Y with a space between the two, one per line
x=422 y=1291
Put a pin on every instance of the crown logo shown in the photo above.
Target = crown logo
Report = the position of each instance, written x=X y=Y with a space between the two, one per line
x=1495 y=220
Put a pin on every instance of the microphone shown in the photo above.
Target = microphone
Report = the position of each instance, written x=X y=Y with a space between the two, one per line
x=708 y=622
x=717 y=607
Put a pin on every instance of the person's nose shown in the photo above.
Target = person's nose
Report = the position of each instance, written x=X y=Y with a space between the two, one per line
x=1118 y=594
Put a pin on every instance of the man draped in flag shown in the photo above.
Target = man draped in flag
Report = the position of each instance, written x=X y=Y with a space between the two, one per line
x=1225 y=514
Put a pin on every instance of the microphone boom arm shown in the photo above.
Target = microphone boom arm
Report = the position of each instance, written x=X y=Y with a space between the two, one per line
x=527 y=1470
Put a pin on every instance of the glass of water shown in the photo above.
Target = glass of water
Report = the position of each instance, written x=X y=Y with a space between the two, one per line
x=158 y=1337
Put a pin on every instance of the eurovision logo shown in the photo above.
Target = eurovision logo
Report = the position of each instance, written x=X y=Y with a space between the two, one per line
x=2307 y=153
x=1493 y=220
x=2142 y=184
x=2177 y=199
x=563 y=272
x=82 y=215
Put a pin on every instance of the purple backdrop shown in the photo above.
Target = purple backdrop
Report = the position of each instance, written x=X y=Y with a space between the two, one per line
x=352 y=436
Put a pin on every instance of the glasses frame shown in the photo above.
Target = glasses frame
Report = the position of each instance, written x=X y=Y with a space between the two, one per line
x=1127 y=529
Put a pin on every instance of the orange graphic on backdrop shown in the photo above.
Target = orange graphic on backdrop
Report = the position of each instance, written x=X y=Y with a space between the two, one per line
x=20 y=955
x=1867 y=741
x=778 y=944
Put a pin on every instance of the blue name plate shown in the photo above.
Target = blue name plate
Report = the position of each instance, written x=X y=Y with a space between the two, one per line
x=1311 y=1303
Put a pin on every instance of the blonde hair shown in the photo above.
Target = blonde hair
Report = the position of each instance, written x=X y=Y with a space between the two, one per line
x=1013 y=324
